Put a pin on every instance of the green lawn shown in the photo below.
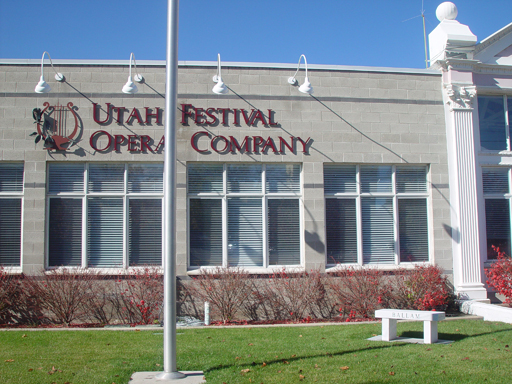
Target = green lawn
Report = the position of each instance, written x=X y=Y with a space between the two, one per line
x=323 y=354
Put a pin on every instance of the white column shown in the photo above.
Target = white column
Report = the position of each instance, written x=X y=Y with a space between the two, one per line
x=467 y=265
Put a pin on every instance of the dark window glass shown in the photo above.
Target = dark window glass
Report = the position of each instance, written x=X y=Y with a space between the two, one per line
x=491 y=111
x=413 y=229
x=497 y=225
x=10 y=232
x=341 y=231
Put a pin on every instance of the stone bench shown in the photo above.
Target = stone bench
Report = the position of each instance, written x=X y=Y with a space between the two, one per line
x=390 y=316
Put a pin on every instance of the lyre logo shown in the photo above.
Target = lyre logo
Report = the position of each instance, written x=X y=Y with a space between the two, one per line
x=57 y=126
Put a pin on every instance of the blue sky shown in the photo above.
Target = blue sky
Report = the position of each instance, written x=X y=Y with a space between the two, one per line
x=384 y=33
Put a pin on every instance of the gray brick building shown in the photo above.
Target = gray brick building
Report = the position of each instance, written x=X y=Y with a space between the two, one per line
x=370 y=143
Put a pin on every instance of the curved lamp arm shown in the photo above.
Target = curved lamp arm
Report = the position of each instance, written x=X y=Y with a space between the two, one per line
x=42 y=86
x=130 y=87
x=306 y=87
x=58 y=76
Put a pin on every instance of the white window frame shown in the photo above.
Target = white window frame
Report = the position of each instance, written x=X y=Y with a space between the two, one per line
x=84 y=197
x=395 y=196
x=264 y=196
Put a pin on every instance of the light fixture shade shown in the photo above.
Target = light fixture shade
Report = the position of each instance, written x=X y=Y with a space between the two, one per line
x=306 y=87
x=42 y=86
x=130 y=86
x=220 y=88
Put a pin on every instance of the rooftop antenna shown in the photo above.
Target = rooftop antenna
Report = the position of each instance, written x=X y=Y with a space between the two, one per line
x=424 y=31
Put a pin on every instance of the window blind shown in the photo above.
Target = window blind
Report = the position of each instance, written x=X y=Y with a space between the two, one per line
x=65 y=232
x=65 y=177
x=340 y=179
x=283 y=232
x=245 y=241
x=282 y=178
x=497 y=225
x=413 y=229
x=205 y=224
x=10 y=232
x=106 y=178
x=376 y=178
x=341 y=227
x=378 y=231
x=205 y=178
x=11 y=177
x=145 y=178
x=244 y=178
x=105 y=232
x=411 y=179
x=495 y=180
x=145 y=234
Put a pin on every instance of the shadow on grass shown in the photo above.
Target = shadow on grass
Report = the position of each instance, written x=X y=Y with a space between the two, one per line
x=450 y=336
x=296 y=358
x=413 y=334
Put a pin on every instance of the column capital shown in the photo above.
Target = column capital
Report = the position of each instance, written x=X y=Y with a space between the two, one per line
x=459 y=96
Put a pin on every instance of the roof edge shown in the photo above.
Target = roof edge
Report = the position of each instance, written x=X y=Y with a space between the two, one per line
x=490 y=40
x=156 y=63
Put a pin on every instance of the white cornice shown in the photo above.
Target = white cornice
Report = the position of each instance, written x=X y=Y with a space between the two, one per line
x=494 y=69
x=493 y=38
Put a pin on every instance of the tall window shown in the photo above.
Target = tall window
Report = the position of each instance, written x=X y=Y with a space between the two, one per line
x=494 y=114
x=105 y=215
x=497 y=209
x=376 y=214
x=11 y=193
x=244 y=214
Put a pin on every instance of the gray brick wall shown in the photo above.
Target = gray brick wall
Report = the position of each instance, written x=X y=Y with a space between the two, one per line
x=353 y=117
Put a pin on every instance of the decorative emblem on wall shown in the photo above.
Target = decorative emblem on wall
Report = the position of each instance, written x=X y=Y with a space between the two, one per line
x=57 y=126
x=458 y=96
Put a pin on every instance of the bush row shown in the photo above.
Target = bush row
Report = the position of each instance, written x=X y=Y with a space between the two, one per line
x=67 y=296
x=348 y=294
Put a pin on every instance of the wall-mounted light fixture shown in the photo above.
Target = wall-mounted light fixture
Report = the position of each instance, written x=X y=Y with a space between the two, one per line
x=130 y=86
x=42 y=86
x=219 y=88
x=306 y=87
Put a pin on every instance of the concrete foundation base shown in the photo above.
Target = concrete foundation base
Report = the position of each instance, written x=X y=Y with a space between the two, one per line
x=411 y=340
x=490 y=312
x=191 y=377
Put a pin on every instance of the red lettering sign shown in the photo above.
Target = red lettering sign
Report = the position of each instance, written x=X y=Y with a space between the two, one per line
x=203 y=141
x=133 y=143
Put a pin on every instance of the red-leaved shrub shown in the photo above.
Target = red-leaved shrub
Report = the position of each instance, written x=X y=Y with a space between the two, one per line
x=293 y=294
x=421 y=288
x=224 y=288
x=10 y=297
x=358 y=291
x=499 y=275
x=138 y=297
x=62 y=293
